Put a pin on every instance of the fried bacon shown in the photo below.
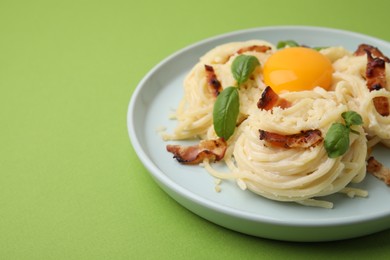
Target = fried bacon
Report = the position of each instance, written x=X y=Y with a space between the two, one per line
x=256 y=48
x=378 y=170
x=376 y=80
x=382 y=105
x=304 y=139
x=269 y=99
x=363 y=48
x=214 y=85
x=214 y=150
x=376 y=75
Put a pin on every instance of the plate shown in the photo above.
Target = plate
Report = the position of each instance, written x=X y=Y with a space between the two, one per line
x=159 y=93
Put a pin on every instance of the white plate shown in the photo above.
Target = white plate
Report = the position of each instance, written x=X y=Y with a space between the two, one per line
x=159 y=93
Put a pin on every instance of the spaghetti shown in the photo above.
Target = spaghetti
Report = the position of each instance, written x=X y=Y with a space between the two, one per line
x=299 y=175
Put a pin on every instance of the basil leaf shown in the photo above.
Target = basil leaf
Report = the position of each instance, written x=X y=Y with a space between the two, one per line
x=319 y=48
x=352 y=118
x=243 y=66
x=289 y=43
x=225 y=112
x=337 y=140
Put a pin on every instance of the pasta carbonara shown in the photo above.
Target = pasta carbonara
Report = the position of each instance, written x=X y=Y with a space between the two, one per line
x=301 y=174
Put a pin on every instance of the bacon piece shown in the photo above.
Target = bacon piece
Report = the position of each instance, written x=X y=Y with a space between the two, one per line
x=363 y=48
x=378 y=170
x=214 y=150
x=382 y=105
x=375 y=72
x=214 y=84
x=256 y=48
x=304 y=139
x=375 y=75
x=269 y=99
x=376 y=80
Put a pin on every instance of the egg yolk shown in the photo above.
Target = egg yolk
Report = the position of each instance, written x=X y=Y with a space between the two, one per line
x=297 y=69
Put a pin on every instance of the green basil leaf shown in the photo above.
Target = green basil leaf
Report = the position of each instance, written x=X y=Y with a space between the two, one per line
x=289 y=43
x=243 y=66
x=337 y=140
x=225 y=112
x=319 y=48
x=352 y=118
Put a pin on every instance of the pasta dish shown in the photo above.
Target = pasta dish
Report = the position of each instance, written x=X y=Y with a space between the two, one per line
x=291 y=123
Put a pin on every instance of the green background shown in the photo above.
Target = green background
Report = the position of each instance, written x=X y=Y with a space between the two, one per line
x=71 y=185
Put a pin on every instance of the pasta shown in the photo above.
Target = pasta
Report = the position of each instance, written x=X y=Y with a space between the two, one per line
x=349 y=84
x=300 y=175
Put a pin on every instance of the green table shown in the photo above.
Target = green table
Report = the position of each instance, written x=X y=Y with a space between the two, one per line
x=71 y=185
